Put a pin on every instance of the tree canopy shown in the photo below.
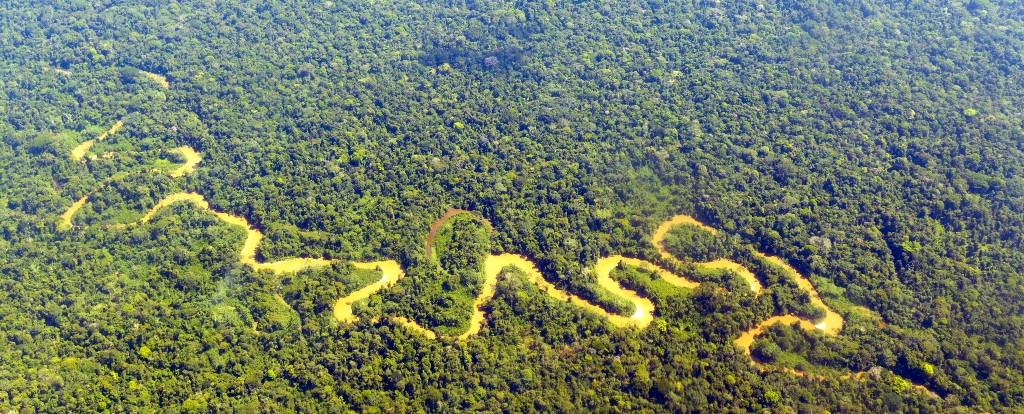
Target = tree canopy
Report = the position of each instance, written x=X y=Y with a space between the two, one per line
x=875 y=146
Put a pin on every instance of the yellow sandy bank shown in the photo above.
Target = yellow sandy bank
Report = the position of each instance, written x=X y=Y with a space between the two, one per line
x=742 y=271
x=747 y=338
x=659 y=236
x=64 y=72
x=66 y=217
x=161 y=79
x=111 y=131
x=192 y=158
x=78 y=153
x=644 y=313
x=391 y=269
x=665 y=275
x=415 y=327
x=494 y=264
x=492 y=267
x=391 y=272
x=77 y=205
x=659 y=233
x=833 y=322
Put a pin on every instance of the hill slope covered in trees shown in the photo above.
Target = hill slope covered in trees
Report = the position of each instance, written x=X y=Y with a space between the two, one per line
x=876 y=146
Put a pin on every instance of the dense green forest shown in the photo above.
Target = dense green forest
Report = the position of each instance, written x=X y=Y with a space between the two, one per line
x=445 y=287
x=874 y=145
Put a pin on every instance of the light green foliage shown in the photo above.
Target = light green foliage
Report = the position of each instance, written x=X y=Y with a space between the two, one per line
x=447 y=285
x=927 y=369
x=341 y=128
x=899 y=384
x=693 y=244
